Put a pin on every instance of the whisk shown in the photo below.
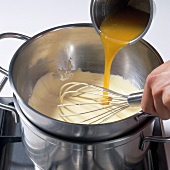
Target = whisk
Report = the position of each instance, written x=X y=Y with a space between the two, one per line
x=100 y=104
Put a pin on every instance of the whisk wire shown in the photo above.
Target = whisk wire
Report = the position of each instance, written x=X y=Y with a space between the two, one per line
x=107 y=115
x=98 y=109
x=107 y=104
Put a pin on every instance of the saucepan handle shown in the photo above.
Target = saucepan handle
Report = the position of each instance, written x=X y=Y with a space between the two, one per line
x=14 y=35
x=158 y=126
x=5 y=73
x=154 y=139
x=10 y=35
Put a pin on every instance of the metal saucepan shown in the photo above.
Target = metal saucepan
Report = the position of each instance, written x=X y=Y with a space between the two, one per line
x=101 y=9
x=50 y=152
x=50 y=50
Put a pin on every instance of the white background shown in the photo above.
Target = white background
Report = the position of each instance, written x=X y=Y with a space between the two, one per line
x=33 y=16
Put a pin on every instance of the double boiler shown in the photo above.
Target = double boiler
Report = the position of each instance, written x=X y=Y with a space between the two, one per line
x=60 y=145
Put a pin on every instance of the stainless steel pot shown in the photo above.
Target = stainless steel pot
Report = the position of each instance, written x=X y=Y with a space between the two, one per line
x=100 y=9
x=50 y=50
x=51 y=152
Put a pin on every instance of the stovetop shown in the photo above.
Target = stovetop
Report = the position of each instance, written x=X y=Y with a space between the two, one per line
x=13 y=155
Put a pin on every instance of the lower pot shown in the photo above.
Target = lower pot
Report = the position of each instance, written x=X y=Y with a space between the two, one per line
x=48 y=152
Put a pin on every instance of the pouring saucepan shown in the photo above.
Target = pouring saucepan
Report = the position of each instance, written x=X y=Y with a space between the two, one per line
x=101 y=9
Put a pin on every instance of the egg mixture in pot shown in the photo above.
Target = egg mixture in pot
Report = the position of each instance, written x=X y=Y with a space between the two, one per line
x=45 y=97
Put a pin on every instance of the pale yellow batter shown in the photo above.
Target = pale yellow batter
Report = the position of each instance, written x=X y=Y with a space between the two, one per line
x=45 y=96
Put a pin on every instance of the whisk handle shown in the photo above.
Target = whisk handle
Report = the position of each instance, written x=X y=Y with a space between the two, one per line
x=134 y=99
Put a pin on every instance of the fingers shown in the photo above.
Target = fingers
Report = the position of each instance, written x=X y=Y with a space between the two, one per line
x=166 y=101
x=156 y=96
x=160 y=107
x=147 y=102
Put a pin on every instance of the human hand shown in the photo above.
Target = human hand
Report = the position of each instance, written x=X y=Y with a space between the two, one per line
x=156 y=95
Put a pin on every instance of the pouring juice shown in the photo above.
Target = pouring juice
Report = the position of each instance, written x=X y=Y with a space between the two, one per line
x=117 y=30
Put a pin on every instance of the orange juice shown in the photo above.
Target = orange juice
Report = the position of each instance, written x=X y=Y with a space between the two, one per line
x=117 y=30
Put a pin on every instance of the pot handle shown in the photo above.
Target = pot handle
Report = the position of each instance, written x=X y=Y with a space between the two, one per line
x=10 y=35
x=14 y=35
x=158 y=126
x=12 y=110
x=154 y=139
x=5 y=73
x=5 y=106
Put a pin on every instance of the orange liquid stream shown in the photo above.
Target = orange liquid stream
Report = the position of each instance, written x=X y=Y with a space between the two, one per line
x=117 y=31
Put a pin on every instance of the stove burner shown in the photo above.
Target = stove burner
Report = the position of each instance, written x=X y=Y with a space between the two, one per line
x=13 y=156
